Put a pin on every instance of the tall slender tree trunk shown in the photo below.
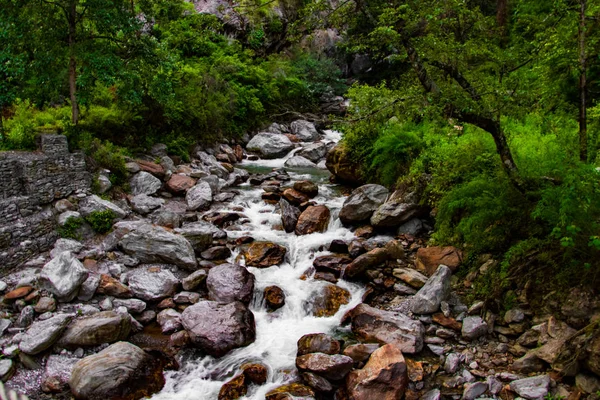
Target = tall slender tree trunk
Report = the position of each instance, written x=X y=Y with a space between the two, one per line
x=502 y=20
x=73 y=62
x=582 y=84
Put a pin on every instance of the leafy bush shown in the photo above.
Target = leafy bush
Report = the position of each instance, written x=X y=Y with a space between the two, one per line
x=19 y=131
x=70 y=229
x=101 y=221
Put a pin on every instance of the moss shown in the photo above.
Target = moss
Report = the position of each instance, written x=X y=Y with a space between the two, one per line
x=101 y=221
x=70 y=229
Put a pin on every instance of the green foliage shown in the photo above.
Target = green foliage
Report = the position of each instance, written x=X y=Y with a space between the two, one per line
x=20 y=131
x=103 y=153
x=70 y=229
x=101 y=221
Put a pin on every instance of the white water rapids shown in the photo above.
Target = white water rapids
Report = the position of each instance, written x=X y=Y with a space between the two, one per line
x=277 y=332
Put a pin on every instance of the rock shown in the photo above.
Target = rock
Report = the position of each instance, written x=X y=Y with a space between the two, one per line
x=18 y=293
x=152 y=283
x=270 y=145
x=305 y=131
x=151 y=167
x=289 y=215
x=313 y=219
x=64 y=217
x=274 y=297
x=194 y=280
x=334 y=367
x=327 y=302
x=317 y=343
x=313 y=151
x=398 y=209
x=528 y=363
x=343 y=167
x=63 y=276
x=295 y=197
x=7 y=369
x=558 y=334
x=360 y=352
x=264 y=254
x=299 y=162
x=63 y=245
x=474 y=327
x=122 y=371
x=158 y=150
x=362 y=202
x=255 y=373
x=587 y=383
x=218 y=328
x=412 y=227
x=186 y=298
x=45 y=304
x=292 y=391
x=535 y=387
x=151 y=244
x=179 y=184
x=144 y=204
x=334 y=264
x=227 y=283
x=429 y=297
x=234 y=389
x=133 y=306
x=433 y=394
x=216 y=253
x=411 y=277
x=200 y=234
x=42 y=334
x=307 y=187
x=514 y=315
x=366 y=261
x=144 y=183
x=474 y=390
x=96 y=329
x=373 y=325
x=166 y=218
x=429 y=258
x=132 y=167
x=93 y=203
x=384 y=377
x=169 y=321
x=494 y=385
x=112 y=287
x=199 y=197
x=88 y=287
x=25 y=317
x=318 y=383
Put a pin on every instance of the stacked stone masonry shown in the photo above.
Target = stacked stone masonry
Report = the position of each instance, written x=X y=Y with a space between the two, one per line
x=29 y=183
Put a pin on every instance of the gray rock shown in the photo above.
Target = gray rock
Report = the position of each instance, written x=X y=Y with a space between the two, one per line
x=169 y=321
x=167 y=163
x=587 y=383
x=132 y=167
x=199 y=234
x=93 y=330
x=63 y=276
x=7 y=368
x=305 y=131
x=151 y=244
x=134 y=306
x=289 y=215
x=429 y=297
x=474 y=327
x=43 y=334
x=64 y=217
x=144 y=183
x=452 y=363
x=299 y=162
x=403 y=289
x=514 y=315
x=434 y=394
x=474 y=390
x=494 y=385
x=398 y=209
x=413 y=227
x=194 y=280
x=270 y=145
x=165 y=217
x=227 y=283
x=122 y=370
x=532 y=388
x=213 y=182
x=199 y=197
x=361 y=204
x=94 y=203
x=314 y=152
x=63 y=245
x=186 y=298
x=144 y=204
x=88 y=287
x=212 y=165
x=152 y=283
x=104 y=184
x=4 y=324
x=158 y=150
x=218 y=328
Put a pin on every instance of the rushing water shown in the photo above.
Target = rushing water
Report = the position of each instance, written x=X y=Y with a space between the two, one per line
x=277 y=333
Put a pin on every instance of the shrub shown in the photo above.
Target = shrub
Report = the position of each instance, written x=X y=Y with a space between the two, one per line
x=70 y=229
x=101 y=221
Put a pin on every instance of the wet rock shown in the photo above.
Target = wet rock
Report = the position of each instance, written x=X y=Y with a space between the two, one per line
x=112 y=287
x=313 y=219
x=429 y=258
x=361 y=204
x=152 y=283
x=360 y=352
x=318 y=383
x=429 y=297
x=133 y=306
x=328 y=300
x=399 y=208
x=169 y=321
x=535 y=387
x=373 y=325
x=270 y=145
x=199 y=197
x=144 y=183
x=194 y=280
x=290 y=392
x=474 y=327
x=179 y=184
x=63 y=276
x=96 y=329
x=299 y=162
x=43 y=334
x=227 y=283
x=343 y=167
x=289 y=215
x=274 y=297
x=255 y=373
x=334 y=367
x=332 y=263
x=122 y=371
x=384 y=376
x=264 y=254
x=366 y=261
x=144 y=204
x=216 y=253
x=234 y=389
x=317 y=343
x=474 y=390
x=305 y=131
x=199 y=234
x=314 y=151
x=150 y=244
x=218 y=328
x=295 y=197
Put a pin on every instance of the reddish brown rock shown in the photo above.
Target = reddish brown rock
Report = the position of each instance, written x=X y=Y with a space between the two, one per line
x=239 y=152
x=112 y=287
x=307 y=187
x=313 y=219
x=151 y=167
x=364 y=232
x=289 y=392
x=264 y=254
x=361 y=352
x=18 y=293
x=334 y=367
x=317 y=343
x=447 y=322
x=295 y=197
x=234 y=389
x=271 y=197
x=333 y=263
x=179 y=184
x=429 y=258
x=255 y=373
x=274 y=297
x=329 y=301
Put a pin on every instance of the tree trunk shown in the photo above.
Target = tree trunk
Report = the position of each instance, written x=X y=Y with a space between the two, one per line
x=582 y=84
x=502 y=15
x=72 y=20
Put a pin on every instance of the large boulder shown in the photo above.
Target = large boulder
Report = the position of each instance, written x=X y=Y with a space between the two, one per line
x=41 y=335
x=384 y=377
x=93 y=203
x=152 y=283
x=144 y=183
x=96 y=329
x=199 y=197
x=270 y=145
x=334 y=367
x=227 y=283
x=343 y=167
x=429 y=258
x=362 y=202
x=299 y=162
x=429 y=297
x=154 y=244
x=399 y=208
x=313 y=152
x=317 y=343
x=313 y=219
x=328 y=300
x=305 y=131
x=264 y=254
x=63 y=276
x=374 y=325
x=121 y=371
x=534 y=388
x=199 y=234
x=144 y=204
x=218 y=328
x=289 y=215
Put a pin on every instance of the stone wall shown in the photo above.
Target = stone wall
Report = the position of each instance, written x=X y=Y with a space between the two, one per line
x=29 y=183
